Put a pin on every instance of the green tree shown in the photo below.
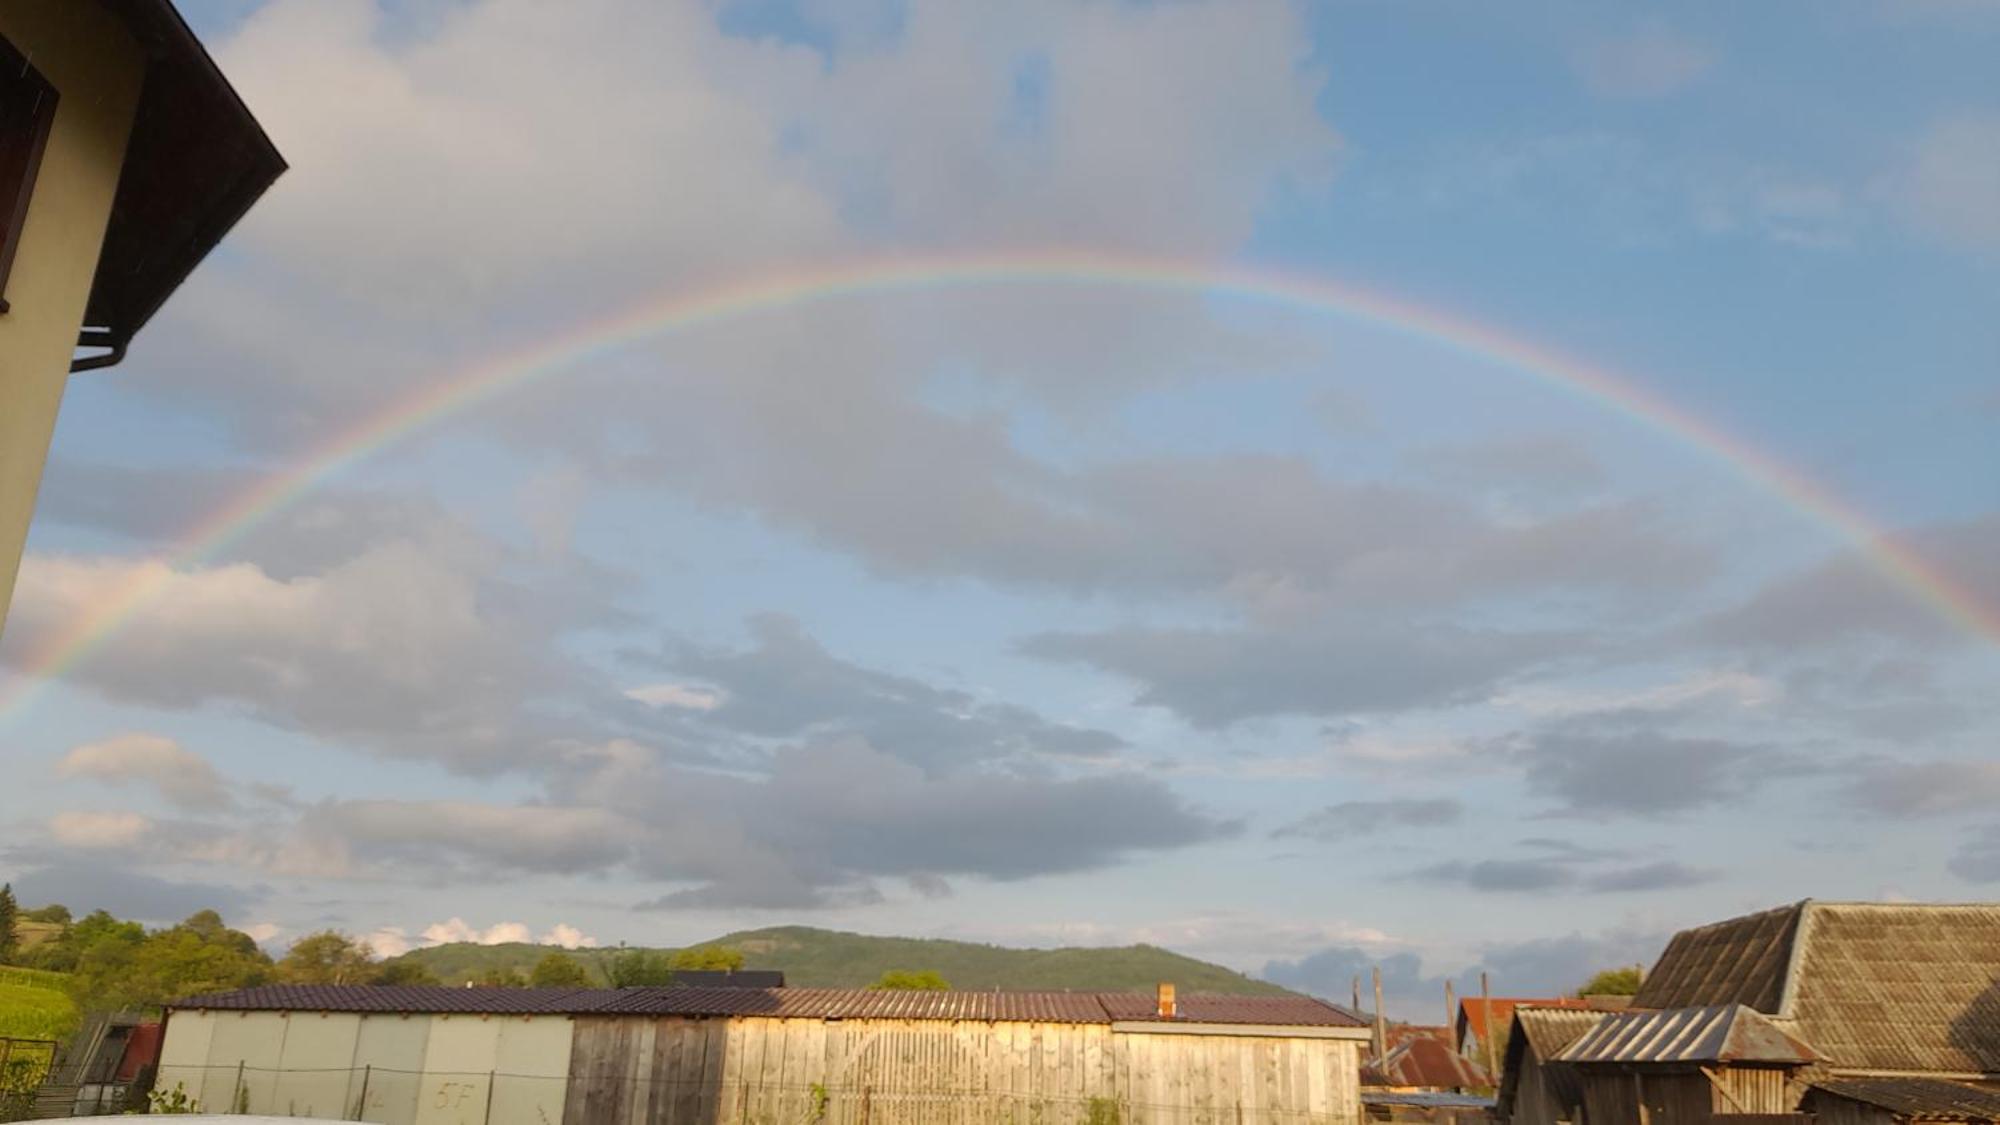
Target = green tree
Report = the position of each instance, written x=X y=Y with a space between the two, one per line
x=10 y=912
x=559 y=970
x=709 y=957
x=501 y=977
x=405 y=971
x=54 y=912
x=327 y=957
x=636 y=967
x=123 y=968
x=1613 y=982
x=912 y=980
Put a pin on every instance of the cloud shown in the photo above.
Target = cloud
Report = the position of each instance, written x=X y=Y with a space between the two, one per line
x=1661 y=876
x=1649 y=63
x=1349 y=819
x=1501 y=874
x=401 y=648
x=787 y=685
x=1605 y=772
x=84 y=885
x=99 y=830
x=1952 y=180
x=1215 y=677
x=180 y=775
x=1978 y=858
x=687 y=697
x=482 y=838
x=1929 y=788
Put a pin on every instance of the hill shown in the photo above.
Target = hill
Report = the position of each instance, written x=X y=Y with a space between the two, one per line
x=833 y=959
x=35 y=1005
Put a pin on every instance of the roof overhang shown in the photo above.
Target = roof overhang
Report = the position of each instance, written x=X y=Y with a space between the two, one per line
x=196 y=161
x=1258 y=1030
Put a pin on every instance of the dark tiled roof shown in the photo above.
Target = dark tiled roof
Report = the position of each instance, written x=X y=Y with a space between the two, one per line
x=1872 y=986
x=788 y=1003
x=1922 y=1099
x=1726 y=1033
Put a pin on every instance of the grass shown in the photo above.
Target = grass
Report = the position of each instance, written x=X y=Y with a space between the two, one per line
x=33 y=1005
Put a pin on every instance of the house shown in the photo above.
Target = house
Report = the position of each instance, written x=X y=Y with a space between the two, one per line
x=124 y=158
x=1901 y=1001
x=667 y=1056
x=1424 y=1063
x=1534 y=1088
x=1476 y=1014
x=1685 y=1066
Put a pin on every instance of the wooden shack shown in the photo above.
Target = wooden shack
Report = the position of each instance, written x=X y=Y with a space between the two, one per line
x=1685 y=1066
x=1534 y=1088
x=680 y=1056
x=1895 y=1101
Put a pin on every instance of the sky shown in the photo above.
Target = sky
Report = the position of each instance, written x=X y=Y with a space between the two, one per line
x=1044 y=607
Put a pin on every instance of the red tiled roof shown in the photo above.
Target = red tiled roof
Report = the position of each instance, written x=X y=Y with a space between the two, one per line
x=783 y=1003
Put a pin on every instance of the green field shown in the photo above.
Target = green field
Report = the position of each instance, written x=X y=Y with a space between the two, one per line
x=831 y=959
x=35 y=1005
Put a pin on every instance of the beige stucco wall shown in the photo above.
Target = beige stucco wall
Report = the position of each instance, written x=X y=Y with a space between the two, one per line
x=97 y=71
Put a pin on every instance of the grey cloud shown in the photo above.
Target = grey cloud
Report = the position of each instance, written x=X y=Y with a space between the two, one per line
x=1845 y=599
x=1215 y=677
x=435 y=835
x=1934 y=788
x=1661 y=876
x=1530 y=464
x=1501 y=874
x=1349 y=819
x=1607 y=772
x=84 y=886
x=1978 y=859
x=787 y=685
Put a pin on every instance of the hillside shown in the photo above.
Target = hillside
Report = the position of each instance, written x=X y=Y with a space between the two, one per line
x=35 y=1005
x=833 y=959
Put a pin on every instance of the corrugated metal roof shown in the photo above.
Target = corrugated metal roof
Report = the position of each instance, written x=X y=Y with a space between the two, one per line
x=1924 y=1099
x=1724 y=1033
x=1472 y=1011
x=785 y=1003
x=1549 y=1030
x=1871 y=985
x=1424 y=1062
x=1210 y=1007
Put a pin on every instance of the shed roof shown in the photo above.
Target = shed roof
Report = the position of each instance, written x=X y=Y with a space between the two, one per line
x=783 y=1003
x=1547 y=1031
x=1921 y=1099
x=1723 y=1033
x=1423 y=1061
x=1472 y=1010
x=1897 y=987
x=194 y=164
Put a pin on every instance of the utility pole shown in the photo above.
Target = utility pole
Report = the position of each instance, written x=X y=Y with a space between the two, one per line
x=1381 y=1021
x=1486 y=1026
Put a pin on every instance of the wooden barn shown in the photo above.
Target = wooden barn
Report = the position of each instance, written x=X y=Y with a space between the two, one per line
x=1685 y=1066
x=679 y=1056
x=1894 y=1101
x=1534 y=1088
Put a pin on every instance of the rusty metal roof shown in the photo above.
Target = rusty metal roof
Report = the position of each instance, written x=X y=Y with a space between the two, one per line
x=781 y=1003
x=1920 y=1099
x=1871 y=985
x=1424 y=1061
x=1723 y=1033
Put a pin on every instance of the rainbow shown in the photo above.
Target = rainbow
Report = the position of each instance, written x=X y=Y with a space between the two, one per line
x=678 y=311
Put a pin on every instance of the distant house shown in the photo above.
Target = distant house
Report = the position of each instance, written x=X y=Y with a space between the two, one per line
x=1424 y=1063
x=709 y=1056
x=124 y=158
x=1534 y=1088
x=1857 y=1012
x=1477 y=1014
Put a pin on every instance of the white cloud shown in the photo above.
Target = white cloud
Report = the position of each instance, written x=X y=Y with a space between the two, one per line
x=262 y=932
x=99 y=830
x=1952 y=186
x=180 y=775
x=569 y=937
x=688 y=697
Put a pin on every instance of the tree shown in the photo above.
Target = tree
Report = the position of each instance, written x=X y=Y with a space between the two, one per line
x=1613 y=982
x=405 y=971
x=707 y=957
x=639 y=967
x=10 y=912
x=123 y=968
x=918 y=980
x=54 y=912
x=327 y=957
x=559 y=970
x=501 y=977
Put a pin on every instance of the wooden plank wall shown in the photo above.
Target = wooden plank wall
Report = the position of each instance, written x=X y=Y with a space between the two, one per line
x=757 y=1071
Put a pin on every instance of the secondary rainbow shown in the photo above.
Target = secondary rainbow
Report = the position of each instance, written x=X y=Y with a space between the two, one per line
x=680 y=310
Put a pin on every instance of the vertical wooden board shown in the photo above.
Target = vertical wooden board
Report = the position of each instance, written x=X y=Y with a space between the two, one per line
x=728 y=1089
x=597 y=1057
x=1222 y=1070
x=663 y=1070
x=749 y=1067
x=313 y=1067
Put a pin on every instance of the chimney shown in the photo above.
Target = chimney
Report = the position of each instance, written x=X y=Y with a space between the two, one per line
x=1167 y=1009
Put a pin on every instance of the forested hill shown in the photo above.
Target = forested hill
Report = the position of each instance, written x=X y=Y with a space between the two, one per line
x=832 y=959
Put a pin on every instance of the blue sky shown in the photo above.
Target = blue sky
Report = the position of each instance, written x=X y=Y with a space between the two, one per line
x=1036 y=613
